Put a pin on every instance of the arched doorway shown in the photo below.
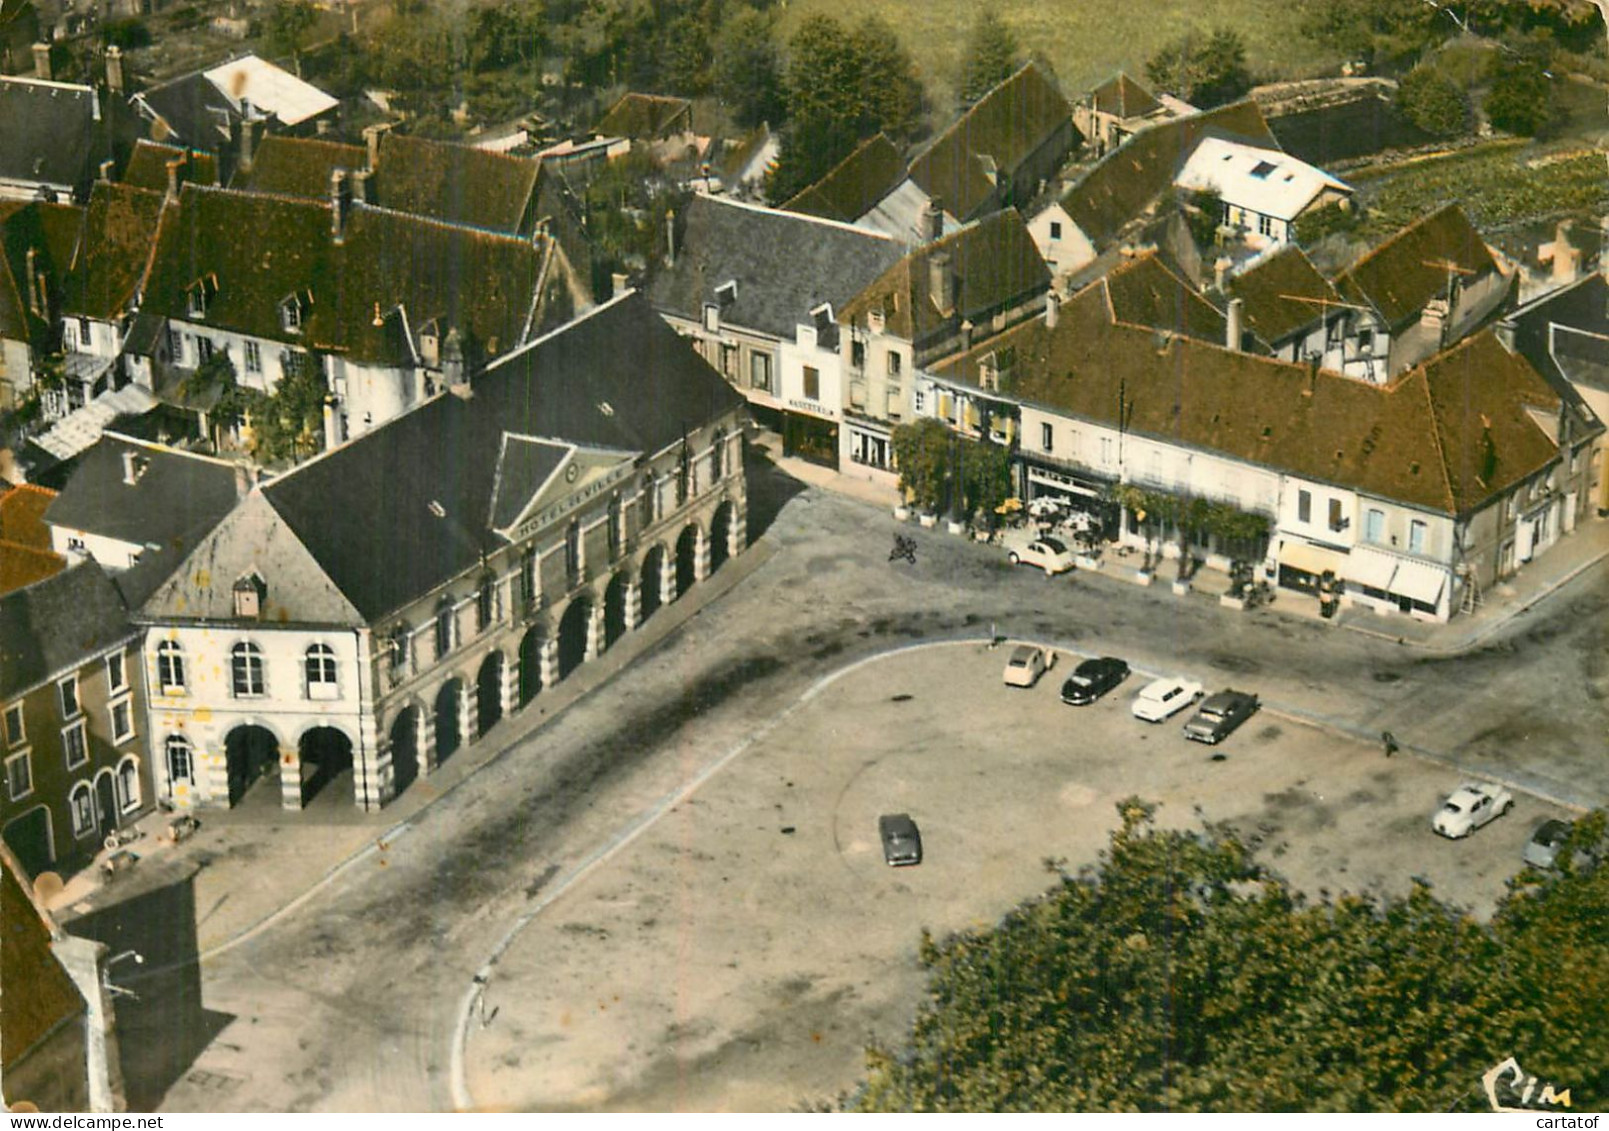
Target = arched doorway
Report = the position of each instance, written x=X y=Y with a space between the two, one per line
x=404 y=750
x=326 y=755
x=614 y=609
x=686 y=559
x=489 y=693
x=105 y=804
x=653 y=565
x=448 y=736
x=573 y=635
x=250 y=754
x=721 y=534
x=530 y=666
x=29 y=837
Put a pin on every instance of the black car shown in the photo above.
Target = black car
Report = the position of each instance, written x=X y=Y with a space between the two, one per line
x=1092 y=679
x=902 y=842
x=1219 y=715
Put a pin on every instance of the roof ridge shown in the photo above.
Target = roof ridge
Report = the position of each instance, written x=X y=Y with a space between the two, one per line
x=576 y=321
x=1401 y=233
x=278 y=197
x=446 y=225
x=1435 y=438
x=800 y=217
x=451 y=145
x=165 y=449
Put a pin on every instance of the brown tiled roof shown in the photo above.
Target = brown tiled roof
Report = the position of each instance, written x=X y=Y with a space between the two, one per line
x=51 y=232
x=644 y=116
x=148 y=166
x=22 y=516
x=1122 y=97
x=37 y=992
x=1144 y=292
x=996 y=266
x=1133 y=175
x=455 y=183
x=995 y=136
x=120 y=225
x=1273 y=294
x=1421 y=440
x=854 y=185
x=24 y=565
x=297 y=166
x=1401 y=275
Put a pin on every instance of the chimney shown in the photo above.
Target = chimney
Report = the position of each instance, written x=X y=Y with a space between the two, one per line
x=106 y=171
x=941 y=282
x=114 y=69
x=1052 y=307
x=248 y=137
x=42 y=61
x=1220 y=272
x=452 y=364
x=340 y=205
x=33 y=283
x=1566 y=257
x=173 y=177
x=1312 y=375
x=670 y=237
x=1233 y=334
x=930 y=226
x=134 y=465
x=359 y=180
x=371 y=139
x=618 y=283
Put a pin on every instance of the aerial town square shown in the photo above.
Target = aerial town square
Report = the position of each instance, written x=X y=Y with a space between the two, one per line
x=751 y=556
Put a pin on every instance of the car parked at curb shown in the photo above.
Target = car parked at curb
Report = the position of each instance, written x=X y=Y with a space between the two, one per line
x=1092 y=679
x=1049 y=554
x=1470 y=806
x=902 y=840
x=1163 y=698
x=1028 y=662
x=1219 y=715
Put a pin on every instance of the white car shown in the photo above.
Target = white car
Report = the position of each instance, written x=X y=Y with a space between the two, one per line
x=1470 y=806
x=1046 y=553
x=1162 y=698
x=1027 y=664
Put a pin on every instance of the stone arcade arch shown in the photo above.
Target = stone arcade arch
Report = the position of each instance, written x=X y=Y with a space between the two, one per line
x=721 y=534
x=653 y=568
x=251 y=753
x=530 y=659
x=614 y=608
x=449 y=732
x=489 y=693
x=326 y=754
x=687 y=558
x=405 y=748
x=573 y=628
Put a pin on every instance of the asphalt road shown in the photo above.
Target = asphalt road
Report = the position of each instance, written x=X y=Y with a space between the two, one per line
x=350 y=1002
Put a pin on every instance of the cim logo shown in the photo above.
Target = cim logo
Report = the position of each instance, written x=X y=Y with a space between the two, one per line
x=1518 y=1087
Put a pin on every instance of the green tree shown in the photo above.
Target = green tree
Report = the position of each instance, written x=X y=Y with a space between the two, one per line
x=986 y=475
x=1433 y=102
x=288 y=425
x=922 y=449
x=1378 y=32
x=990 y=58
x=1206 y=72
x=289 y=23
x=748 y=69
x=1521 y=99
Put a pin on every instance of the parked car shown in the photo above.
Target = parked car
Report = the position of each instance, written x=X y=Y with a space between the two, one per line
x=1470 y=806
x=1028 y=662
x=1542 y=850
x=1048 y=554
x=902 y=840
x=1163 y=698
x=1092 y=679
x=1220 y=714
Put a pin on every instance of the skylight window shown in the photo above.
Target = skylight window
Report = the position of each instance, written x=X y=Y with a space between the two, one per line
x=1262 y=169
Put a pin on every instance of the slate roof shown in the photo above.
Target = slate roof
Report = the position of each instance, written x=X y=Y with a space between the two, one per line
x=1122 y=97
x=618 y=378
x=37 y=991
x=1580 y=344
x=1405 y=272
x=1128 y=179
x=645 y=117
x=991 y=141
x=120 y=225
x=1420 y=440
x=523 y=466
x=148 y=165
x=455 y=183
x=996 y=265
x=298 y=166
x=853 y=187
x=191 y=110
x=55 y=624
x=49 y=130
x=1269 y=311
x=1145 y=292
x=784 y=264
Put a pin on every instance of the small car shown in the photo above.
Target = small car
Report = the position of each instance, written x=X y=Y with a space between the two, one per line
x=1048 y=554
x=1470 y=806
x=1092 y=679
x=902 y=841
x=1219 y=714
x=1163 y=698
x=1542 y=850
x=1028 y=662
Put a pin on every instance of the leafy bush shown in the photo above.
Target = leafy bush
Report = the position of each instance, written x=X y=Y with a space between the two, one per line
x=1207 y=72
x=1521 y=100
x=1433 y=102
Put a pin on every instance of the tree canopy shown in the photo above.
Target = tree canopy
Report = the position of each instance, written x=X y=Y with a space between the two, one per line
x=1433 y=102
x=1206 y=72
x=1178 y=974
x=748 y=69
x=991 y=56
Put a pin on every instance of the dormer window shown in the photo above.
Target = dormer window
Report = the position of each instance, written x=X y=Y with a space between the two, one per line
x=726 y=293
x=250 y=592
x=291 y=312
x=198 y=296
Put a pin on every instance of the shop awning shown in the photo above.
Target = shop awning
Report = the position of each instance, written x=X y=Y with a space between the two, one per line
x=1371 y=569
x=1312 y=559
x=1420 y=581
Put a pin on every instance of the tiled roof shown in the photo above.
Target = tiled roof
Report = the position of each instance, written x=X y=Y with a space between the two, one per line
x=854 y=185
x=1273 y=294
x=1421 y=440
x=991 y=141
x=1132 y=176
x=785 y=265
x=148 y=166
x=735 y=159
x=458 y=184
x=996 y=266
x=22 y=516
x=119 y=232
x=24 y=565
x=1122 y=97
x=298 y=166
x=1144 y=292
x=644 y=117
x=417 y=492
x=53 y=624
x=1401 y=275
x=49 y=130
x=36 y=989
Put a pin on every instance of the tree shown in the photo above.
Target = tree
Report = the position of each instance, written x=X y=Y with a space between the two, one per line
x=748 y=69
x=1207 y=72
x=289 y=22
x=1521 y=99
x=991 y=56
x=986 y=476
x=1378 y=32
x=922 y=451
x=288 y=424
x=1433 y=102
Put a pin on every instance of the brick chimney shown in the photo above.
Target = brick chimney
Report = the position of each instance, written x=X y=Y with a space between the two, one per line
x=173 y=177
x=114 y=69
x=248 y=136
x=941 y=281
x=359 y=180
x=1233 y=334
x=42 y=61
x=371 y=140
x=1052 y=307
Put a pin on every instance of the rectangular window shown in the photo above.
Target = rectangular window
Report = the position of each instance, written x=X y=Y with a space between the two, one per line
x=83 y=811
x=1374 y=525
x=69 y=337
x=1055 y=229
x=1304 y=506
x=1416 y=536
x=918 y=400
x=1106 y=451
x=729 y=361
x=1365 y=341
x=857 y=355
x=14 y=726
x=812 y=383
x=175 y=345
x=1335 y=514
x=74 y=745
x=19 y=776
x=204 y=349
x=116 y=676
x=760 y=371
x=85 y=337
x=68 y=689
x=893 y=363
x=254 y=358
x=1047 y=436
x=122 y=721
x=1265 y=225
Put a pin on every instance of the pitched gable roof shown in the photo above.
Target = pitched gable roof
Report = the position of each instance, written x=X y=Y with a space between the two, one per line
x=299 y=166
x=1122 y=97
x=1256 y=177
x=524 y=466
x=1125 y=183
x=853 y=187
x=645 y=117
x=1408 y=270
x=1145 y=292
x=785 y=265
x=1283 y=294
x=49 y=130
x=269 y=88
x=120 y=226
x=148 y=166
x=25 y=553
x=991 y=141
x=39 y=994
x=1566 y=332
x=55 y=624
x=458 y=184
x=189 y=110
